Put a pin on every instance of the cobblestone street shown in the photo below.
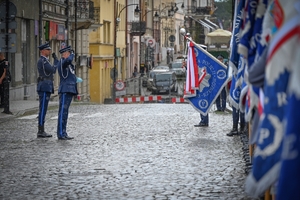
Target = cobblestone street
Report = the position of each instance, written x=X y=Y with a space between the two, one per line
x=122 y=151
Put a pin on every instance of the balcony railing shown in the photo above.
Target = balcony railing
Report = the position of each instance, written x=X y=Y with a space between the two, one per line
x=198 y=10
x=138 y=28
x=85 y=9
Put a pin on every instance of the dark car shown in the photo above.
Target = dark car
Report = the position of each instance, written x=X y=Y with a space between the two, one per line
x=156 y=70
x=163 y=82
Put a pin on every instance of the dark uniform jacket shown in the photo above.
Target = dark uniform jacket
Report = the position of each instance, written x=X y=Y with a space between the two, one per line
x=2 y=67
x=46 y=72
x=66 y=71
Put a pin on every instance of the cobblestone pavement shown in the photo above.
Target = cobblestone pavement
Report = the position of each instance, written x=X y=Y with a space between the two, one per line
x=131 y=151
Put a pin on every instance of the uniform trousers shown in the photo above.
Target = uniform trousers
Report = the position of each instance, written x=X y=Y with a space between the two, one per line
x=221 y=100
x=238 y=116
x=4 y=91
x=65 y=100
x=204 y=119
x=44 y=98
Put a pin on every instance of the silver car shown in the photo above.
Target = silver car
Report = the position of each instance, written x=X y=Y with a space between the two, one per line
x=176 y=66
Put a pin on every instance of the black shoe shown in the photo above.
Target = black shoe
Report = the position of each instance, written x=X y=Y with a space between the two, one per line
x=201 y=124
x=7 y=112
x=233 y=132
x=69 y=138
x=43 y=135
x=65 y=138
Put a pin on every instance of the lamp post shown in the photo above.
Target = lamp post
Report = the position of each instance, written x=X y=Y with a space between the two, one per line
x=117 y=20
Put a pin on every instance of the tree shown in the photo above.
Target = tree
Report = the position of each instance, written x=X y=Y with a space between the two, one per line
x=224 y=13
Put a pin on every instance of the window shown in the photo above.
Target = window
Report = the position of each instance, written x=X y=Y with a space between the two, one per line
x=106 y=32
x=45 y=7
x=57 y=9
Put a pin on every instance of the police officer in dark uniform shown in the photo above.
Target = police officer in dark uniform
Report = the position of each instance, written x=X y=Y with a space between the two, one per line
x=67 y=90
x=44 y=85
x=4 y=83
x=204 y=121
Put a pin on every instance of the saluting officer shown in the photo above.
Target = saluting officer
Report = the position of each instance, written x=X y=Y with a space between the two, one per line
x=67 y=90
x=45 y=85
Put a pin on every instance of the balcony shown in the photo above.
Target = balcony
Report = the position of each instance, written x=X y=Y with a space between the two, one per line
x=199 y=10
x=87 y=15
x=138 y=28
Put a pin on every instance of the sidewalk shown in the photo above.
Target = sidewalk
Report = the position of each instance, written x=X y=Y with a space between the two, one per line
x=21 y=107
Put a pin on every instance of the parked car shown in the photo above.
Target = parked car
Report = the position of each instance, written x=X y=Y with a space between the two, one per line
x=163 y=82
x=155 y=70
x=176 y=66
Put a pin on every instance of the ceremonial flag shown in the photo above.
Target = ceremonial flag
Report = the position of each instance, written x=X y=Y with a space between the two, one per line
x=236 y=85
x=247 y=28
x=212 y=77
x=192 y=81
x=289 y=178
x=266 y=160
x=235 y=39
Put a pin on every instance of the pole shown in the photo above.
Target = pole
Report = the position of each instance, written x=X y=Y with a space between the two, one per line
x=117 y=15
x=67 y=22
x=40 y=22
x=75 y=31
x=6 y=85
x=115 y=54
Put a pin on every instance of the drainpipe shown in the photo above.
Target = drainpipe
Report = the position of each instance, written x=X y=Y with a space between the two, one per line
x=75 y=31
x=40 y=21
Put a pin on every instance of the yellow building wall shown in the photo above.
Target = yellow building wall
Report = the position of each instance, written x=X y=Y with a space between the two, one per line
x=102 y=49
x=103 y=53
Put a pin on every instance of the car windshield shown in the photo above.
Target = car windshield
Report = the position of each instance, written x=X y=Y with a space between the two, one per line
x=161 y=67
x=176 y=65
x=163 y=77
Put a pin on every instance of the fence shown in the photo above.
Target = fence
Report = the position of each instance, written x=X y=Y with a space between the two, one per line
x=144 y=86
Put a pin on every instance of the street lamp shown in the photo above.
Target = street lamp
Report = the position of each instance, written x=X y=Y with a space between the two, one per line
x=156 y=17
x=136 y=12
x=117 y=20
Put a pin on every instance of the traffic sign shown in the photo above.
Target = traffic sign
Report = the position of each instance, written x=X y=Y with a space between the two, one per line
x=11 y=25
x=12 y=47
x=12 y=12
x=150 y=42
x=172 y=38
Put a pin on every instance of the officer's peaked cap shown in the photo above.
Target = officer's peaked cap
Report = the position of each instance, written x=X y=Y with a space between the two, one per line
x=68 y=48
x=220 y=57
x=44 y=46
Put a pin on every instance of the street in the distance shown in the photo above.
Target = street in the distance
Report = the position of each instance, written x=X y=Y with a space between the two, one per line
x=122 y=151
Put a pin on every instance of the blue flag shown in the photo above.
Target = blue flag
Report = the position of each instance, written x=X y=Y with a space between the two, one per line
x=267 y=155
x=235 y=39
x=212 y=77
x=289 y=177
x=237 y=85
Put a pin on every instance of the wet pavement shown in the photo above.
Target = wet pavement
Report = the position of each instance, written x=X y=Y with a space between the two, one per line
x=122 y=151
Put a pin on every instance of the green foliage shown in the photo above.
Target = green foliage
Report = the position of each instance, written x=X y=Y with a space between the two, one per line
x=224 y=12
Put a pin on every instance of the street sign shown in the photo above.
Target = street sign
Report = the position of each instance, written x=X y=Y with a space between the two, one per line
x=11 y=13
x=150 y=42
x=11 y=48
x=11 y=25
x=119 y=85
x=112 y=74
x=172 y=38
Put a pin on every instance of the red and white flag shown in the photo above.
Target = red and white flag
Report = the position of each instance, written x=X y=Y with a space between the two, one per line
x=192 y=77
